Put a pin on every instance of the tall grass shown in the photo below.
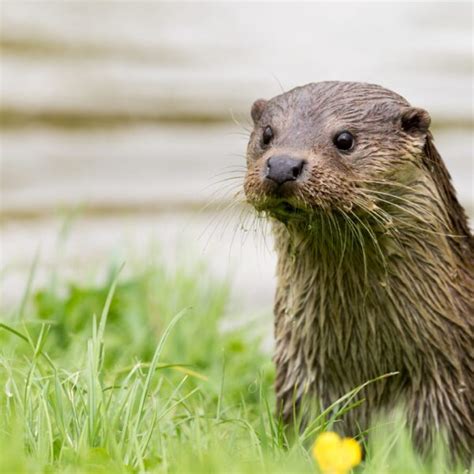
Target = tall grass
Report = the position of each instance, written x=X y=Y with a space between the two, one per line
x=137 y=375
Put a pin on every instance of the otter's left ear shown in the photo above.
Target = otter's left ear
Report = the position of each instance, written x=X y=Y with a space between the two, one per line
x=415 y=120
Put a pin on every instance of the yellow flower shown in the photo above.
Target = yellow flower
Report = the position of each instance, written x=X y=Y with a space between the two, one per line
x=336 y=455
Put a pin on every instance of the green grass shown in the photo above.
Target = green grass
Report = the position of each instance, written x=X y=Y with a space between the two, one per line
x=137 y=374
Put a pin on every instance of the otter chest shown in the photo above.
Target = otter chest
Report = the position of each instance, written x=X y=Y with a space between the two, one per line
x=336 y=335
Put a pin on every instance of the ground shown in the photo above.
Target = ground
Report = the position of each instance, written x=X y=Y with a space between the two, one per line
x=138 y=373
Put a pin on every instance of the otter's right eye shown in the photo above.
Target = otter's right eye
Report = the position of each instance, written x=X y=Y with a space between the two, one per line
x=344 y=141
x=267 y=135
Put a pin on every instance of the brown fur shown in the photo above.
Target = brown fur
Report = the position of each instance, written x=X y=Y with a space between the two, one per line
x=375 y=260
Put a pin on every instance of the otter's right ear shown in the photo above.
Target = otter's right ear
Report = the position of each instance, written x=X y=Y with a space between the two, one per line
x=257 y=109
x=415 y=120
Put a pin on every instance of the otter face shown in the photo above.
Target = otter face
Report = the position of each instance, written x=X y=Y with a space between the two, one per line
x=312 y=147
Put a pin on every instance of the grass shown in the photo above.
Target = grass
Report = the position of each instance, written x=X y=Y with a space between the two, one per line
x=137 y=374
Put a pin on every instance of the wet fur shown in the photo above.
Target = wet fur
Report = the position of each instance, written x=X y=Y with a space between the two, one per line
x=375 y=262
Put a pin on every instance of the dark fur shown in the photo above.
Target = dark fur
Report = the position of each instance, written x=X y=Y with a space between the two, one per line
x=375 y=260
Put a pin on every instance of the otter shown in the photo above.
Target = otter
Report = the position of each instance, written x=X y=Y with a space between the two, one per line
x=375 y=259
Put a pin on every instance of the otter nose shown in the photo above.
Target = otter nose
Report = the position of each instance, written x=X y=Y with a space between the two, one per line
x=284 y=168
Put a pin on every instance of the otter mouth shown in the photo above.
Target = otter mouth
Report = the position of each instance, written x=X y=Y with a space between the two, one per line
x=283 y=209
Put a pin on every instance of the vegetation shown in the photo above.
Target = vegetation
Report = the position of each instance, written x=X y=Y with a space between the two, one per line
x=138 y=374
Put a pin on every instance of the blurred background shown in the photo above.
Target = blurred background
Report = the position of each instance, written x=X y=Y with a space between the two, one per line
x=122 y=123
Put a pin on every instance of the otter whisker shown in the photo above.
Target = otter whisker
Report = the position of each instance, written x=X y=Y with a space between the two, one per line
x=226 y=187
x=344 y=247
x=404 y=210
x=359 y=239
x=374 y=240
x=219 y=200
x=216 y=220
x=385 y=183
x=409 y=202
x=245 y=128
x=239 y=225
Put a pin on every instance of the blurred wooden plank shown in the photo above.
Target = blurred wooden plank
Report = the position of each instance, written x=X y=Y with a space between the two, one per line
x=155 y=60
x=152 y=168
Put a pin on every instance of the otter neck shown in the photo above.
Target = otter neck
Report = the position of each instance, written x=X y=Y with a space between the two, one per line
x=358 y=311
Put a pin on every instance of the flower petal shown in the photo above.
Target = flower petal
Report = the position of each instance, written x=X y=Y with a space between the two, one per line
x=351 y=452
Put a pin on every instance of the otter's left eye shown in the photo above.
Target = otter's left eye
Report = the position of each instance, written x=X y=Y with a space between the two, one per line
x=267 y=135
x=344 y=141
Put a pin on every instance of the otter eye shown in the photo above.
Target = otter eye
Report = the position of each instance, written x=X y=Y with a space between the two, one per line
x=267 y=135
x=344 y=141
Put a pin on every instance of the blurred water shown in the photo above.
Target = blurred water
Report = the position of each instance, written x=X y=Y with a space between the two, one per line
x=134 y=109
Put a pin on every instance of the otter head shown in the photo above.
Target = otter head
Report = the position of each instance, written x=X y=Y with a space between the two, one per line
x=322 y=148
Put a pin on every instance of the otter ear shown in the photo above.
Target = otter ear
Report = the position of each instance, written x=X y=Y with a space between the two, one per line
x=415 y=120
x=257 y=109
